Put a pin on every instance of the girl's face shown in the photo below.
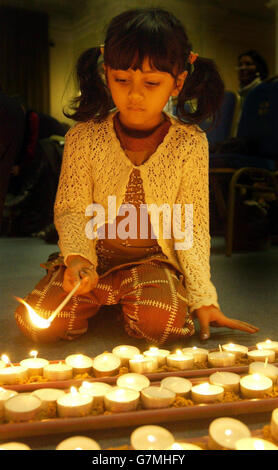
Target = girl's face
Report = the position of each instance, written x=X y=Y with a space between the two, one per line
x=140 y=95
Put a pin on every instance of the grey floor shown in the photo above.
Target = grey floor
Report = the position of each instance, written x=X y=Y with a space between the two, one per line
x=247 y=285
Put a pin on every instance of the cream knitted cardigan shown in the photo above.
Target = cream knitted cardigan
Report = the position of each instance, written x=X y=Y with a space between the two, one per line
x=95 y=166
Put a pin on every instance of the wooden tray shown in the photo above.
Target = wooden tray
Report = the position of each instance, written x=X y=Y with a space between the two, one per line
x=139 y=417
x=64 y=384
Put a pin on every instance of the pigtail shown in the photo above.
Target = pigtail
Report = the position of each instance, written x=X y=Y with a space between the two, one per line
x=205 y=88
x=94 y=100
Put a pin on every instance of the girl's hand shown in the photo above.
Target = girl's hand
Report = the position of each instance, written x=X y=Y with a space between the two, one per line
x=211 y=315
x=77 y=269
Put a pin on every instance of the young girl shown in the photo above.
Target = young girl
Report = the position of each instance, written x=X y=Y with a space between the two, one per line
x=133 y=157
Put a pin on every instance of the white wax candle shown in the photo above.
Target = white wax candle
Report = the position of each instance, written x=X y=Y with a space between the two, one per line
x=79 y=363
x=206 y=393
x=22 y=407
x=106 y=364
x=133 y=381
x=125 y=352
x=121 y=399
x=228 y=380
x=4 y=396
x=13 y=375
x=268 y=344
x=178 y=385
x=221 y=359
x=183 y=446
x=97 y=390
x=199 y=354
x=74 y=404
x=274 y=424
x=49 y=397
x=59 y=371
x=14 y=446
x=159 y=354
x=255 y=385
x=224 y=432
x=269 y=370
x=261 y=355
x=157 y=397
x=141 y=364
x=151 y=438
x=180 y=360
x=78 y=443
x=253 y=443
x=237 y=349
x=34 y=365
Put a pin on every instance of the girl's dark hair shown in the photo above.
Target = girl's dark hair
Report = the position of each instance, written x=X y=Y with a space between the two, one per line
x=158 y=35
x=259 y=61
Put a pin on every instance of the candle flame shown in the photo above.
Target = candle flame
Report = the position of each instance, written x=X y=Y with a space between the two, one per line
x=176 y=446
x=86 y=384
x=73 y=390
x=258 y=444
x=153 y=349
x=36 y=319
x=33 y=354
x=268 y=341
x=5 y=359
x=179 y=352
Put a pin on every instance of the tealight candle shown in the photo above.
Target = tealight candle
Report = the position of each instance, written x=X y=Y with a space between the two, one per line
x=178 y=385
x=79 y=363
x=96 y=389
x=125 y=353
x=74 y=404
x=253 y=443
x=180 y=360
x=206 y=393
x=49 y=397
x=183 y=446
x=133 y=381
x=121 y=399
x=274 y=424
x=269 y=370
x=157 y=397
x=261 y=355
x=159 y=354
x=106 y=364
x=35 y=365
x=59 y=371
x=199 y=354
x=78 y=443
x=255 y=385
x=151 y=438
x=221 y=359
x=268 y=344
x=225 y=432
x=14 y=446
x=4 y=396
x=22 y=407
x=13 y=374
x=228 y=380
x=237 y=349
x=142 y=364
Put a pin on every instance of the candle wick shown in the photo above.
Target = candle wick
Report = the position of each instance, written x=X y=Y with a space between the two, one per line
x=220 y=348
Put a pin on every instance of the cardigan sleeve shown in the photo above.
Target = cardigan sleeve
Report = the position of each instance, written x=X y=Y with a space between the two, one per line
x=74 y=195
x=193 y=198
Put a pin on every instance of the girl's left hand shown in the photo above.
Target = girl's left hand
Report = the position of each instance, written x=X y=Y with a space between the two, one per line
x=211 y=315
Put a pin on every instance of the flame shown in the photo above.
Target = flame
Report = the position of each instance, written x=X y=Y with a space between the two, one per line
x=73 y=391
x=179 y=352
x=33 y=354
x=36 y=319
x=5 y=359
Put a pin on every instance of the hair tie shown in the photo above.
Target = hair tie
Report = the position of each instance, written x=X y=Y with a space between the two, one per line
x=192 y=57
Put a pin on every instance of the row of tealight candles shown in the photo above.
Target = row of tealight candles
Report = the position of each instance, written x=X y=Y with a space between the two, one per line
x=227 y=433
x=107 y=364
x=132 y=388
